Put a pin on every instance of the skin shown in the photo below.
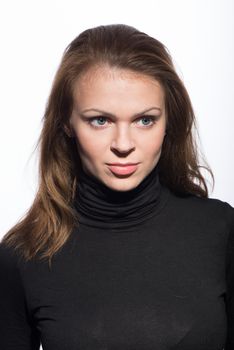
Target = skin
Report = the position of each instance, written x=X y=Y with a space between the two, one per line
x=122 y=137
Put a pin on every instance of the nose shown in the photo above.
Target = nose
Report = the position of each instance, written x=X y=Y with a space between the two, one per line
x=122 y=140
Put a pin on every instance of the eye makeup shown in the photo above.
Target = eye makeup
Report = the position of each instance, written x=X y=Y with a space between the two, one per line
x=90 y=120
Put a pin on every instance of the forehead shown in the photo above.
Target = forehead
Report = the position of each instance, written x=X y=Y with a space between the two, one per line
x=116 y=91
x=102 y=76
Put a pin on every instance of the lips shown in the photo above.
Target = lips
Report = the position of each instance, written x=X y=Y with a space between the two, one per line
x=123 y=169
x=122 y=164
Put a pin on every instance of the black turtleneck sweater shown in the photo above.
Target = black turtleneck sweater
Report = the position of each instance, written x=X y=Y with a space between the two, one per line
x=145 y=269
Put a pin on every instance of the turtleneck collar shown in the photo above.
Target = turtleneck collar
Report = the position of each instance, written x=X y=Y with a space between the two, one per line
x=100 y=206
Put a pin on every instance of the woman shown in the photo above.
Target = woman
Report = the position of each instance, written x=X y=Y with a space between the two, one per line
x=122 y=248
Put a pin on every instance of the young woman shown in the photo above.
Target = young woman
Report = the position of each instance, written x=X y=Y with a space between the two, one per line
x=122 y=248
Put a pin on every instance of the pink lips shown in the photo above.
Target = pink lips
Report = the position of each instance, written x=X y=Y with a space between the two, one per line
x=123 y=169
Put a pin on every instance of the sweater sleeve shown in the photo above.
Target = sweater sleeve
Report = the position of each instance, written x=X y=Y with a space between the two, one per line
x=230 y=280
x=17 y=332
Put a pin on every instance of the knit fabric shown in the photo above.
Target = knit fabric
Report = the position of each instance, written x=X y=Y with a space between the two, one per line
x=142 y=270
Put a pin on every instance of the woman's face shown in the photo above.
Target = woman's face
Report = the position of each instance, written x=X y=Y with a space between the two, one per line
x=118 y=117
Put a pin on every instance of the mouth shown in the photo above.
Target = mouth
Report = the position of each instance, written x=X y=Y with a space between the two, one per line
x=123 y=169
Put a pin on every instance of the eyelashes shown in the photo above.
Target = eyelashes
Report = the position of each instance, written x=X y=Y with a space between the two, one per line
x=151 y=118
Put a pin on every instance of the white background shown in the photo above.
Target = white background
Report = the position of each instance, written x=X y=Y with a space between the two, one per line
x=33 y=36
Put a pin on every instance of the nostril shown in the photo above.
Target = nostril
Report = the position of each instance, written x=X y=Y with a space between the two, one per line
x=121 y=152
x=122 y=147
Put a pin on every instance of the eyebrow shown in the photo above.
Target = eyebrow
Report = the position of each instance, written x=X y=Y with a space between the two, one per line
x=112 y=115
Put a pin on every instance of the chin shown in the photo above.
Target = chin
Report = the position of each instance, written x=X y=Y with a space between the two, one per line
x=123 y=184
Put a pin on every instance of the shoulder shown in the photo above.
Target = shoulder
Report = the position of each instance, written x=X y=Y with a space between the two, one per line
x=208 y=215
x=217 y=208
x=9 y=259
x=204 y=206
x=11 y=283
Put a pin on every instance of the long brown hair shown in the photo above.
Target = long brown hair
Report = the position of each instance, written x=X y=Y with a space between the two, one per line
x=48 y=223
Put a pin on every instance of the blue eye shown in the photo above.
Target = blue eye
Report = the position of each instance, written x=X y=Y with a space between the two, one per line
x=102 y=119
x=148 y=121
x=98 y=119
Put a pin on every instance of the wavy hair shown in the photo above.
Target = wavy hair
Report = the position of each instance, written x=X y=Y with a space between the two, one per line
x=48 y=223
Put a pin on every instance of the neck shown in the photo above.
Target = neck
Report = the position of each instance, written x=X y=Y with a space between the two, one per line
x=100 y=206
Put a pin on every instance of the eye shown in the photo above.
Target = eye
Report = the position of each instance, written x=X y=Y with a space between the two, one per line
x=146 y=119
x=100 y=119
x=98 y=122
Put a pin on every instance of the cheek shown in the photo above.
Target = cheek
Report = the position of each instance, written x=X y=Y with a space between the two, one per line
x=90 y=146
x=152 y=145
x=153 y=148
